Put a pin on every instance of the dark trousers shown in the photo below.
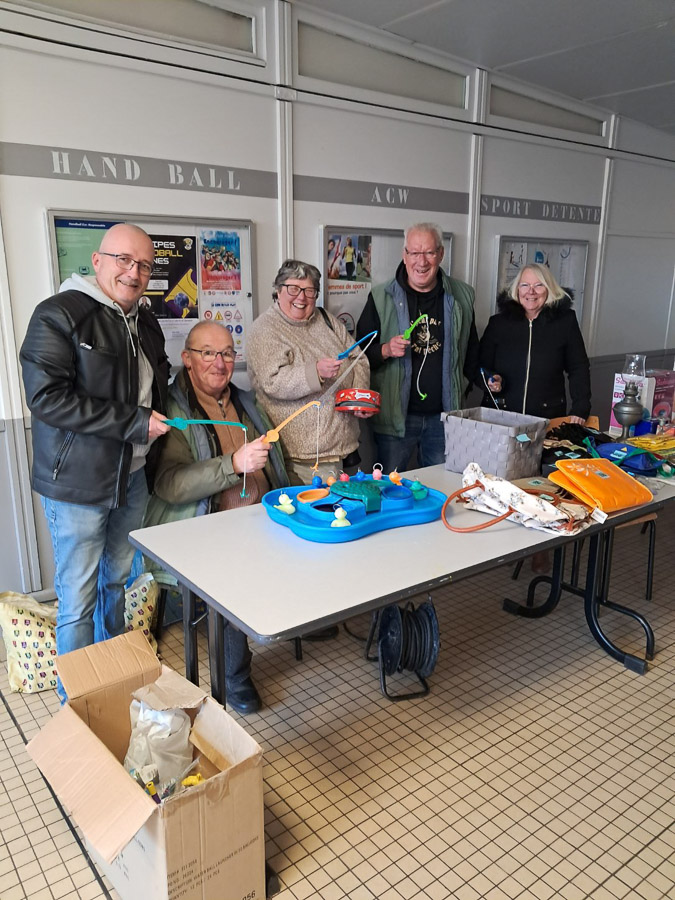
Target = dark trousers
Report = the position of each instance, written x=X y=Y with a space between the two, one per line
x=237 y=656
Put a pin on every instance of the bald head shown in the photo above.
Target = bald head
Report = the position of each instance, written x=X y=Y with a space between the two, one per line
x=123 y=264
x=124 y=232
x=210 y=333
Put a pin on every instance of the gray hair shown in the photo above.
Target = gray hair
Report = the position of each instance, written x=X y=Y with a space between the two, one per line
x=555 y=292
x=295 y=268
x=427 y=228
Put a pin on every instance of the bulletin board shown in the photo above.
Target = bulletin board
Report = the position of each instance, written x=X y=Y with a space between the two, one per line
x=356 y=258
x=203 y=269
x=566 y=259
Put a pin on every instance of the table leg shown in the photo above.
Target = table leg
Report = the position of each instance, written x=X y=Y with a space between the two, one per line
x=593 y=600
x=190 y=635
x=216 y=631
x=555 y=579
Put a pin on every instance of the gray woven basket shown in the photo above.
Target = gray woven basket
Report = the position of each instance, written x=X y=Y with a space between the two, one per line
x=507 y=444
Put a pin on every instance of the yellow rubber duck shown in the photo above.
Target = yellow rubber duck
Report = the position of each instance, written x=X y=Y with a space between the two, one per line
x=285 y=504
x=340 y=520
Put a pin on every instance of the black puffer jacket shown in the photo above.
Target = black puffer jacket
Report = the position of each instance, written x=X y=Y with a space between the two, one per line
x=533 y=356
x=81 y=382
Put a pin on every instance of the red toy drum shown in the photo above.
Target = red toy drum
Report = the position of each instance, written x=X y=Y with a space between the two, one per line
x=351 y=399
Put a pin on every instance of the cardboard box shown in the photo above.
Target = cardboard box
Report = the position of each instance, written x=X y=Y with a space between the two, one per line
x=203 y=843
x=655 y=393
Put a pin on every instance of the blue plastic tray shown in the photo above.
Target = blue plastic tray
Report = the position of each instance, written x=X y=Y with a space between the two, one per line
x=397 y=506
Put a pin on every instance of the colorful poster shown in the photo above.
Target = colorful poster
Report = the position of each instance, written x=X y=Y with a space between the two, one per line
x=198 y=271
x=348 y=257
x=172 y=289
x=219 y=260
x=76 y=240
x=348 y=275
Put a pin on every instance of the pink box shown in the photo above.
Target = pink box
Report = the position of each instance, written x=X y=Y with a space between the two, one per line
x=655 y=392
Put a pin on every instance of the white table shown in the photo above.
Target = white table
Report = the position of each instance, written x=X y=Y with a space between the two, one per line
x=275 y=586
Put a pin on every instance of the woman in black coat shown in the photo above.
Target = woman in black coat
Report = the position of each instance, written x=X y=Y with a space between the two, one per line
x=529 y=346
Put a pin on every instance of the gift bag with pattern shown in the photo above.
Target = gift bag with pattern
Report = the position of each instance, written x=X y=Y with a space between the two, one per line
x=28 y=630
x=140 y=606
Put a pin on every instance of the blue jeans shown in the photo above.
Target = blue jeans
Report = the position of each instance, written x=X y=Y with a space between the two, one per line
x=423 y=433
x=92 y=561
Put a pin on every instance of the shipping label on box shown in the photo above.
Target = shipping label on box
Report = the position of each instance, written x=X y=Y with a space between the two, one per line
x=655 y=393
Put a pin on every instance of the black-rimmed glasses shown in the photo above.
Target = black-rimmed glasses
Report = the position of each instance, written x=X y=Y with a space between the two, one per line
x=295 y=290
x=127 y=263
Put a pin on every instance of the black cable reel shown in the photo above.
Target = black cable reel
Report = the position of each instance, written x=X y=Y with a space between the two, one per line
x=408 y=641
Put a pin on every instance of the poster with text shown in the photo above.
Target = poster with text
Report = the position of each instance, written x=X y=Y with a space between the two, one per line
x=348 y=275
x=219 y=260
x=229 y=311
x=172 y=293
x=76 y=240
x=172 y=288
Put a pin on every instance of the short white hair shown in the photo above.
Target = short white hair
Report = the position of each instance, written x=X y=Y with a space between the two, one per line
x=427 y=228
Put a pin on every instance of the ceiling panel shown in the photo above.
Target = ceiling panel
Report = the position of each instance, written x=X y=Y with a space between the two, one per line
x=605 y=68
x=615 y=54
x=369 y=12
x=494 y=33
x=655 y=106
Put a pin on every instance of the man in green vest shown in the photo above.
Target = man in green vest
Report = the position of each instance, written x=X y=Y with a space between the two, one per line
x=426 y=352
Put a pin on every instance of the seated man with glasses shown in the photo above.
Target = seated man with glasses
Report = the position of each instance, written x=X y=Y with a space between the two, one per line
x=426 y=354
x=96 y=374
x=201 y=469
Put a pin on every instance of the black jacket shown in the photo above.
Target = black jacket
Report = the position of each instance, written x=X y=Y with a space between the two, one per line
x=533 y=357
x=81 y=381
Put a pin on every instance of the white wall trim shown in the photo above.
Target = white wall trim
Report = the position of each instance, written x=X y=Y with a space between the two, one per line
x=27 y=30
x=473 y=223
x=601 y=254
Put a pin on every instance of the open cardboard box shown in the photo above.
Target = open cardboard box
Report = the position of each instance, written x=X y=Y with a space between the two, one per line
x=206 y=842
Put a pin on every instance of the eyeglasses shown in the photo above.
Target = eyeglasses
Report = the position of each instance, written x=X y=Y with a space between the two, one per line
x=427 y=254
x=537 y=286
x=228 y=356
x=294 y=291
x=127 y=263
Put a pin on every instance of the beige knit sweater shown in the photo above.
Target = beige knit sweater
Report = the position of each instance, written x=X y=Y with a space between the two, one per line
x=282 y=355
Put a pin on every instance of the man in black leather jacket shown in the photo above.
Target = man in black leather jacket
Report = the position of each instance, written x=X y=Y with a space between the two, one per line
x=95 y=374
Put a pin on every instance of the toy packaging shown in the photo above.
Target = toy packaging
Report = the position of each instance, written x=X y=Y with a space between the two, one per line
x=655 y=393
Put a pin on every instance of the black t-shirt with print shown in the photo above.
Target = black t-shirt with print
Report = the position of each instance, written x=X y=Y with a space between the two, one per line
x=426 y=346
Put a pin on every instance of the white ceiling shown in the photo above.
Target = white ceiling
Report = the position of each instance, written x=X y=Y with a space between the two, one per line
x=615 y=54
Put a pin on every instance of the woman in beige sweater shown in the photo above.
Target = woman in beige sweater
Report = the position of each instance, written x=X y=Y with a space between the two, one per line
x=292 y=354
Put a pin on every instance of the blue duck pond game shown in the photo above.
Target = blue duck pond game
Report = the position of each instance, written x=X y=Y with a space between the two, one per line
x=350 y=508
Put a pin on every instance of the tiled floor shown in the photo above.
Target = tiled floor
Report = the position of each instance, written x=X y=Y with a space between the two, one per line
x=536 y=768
